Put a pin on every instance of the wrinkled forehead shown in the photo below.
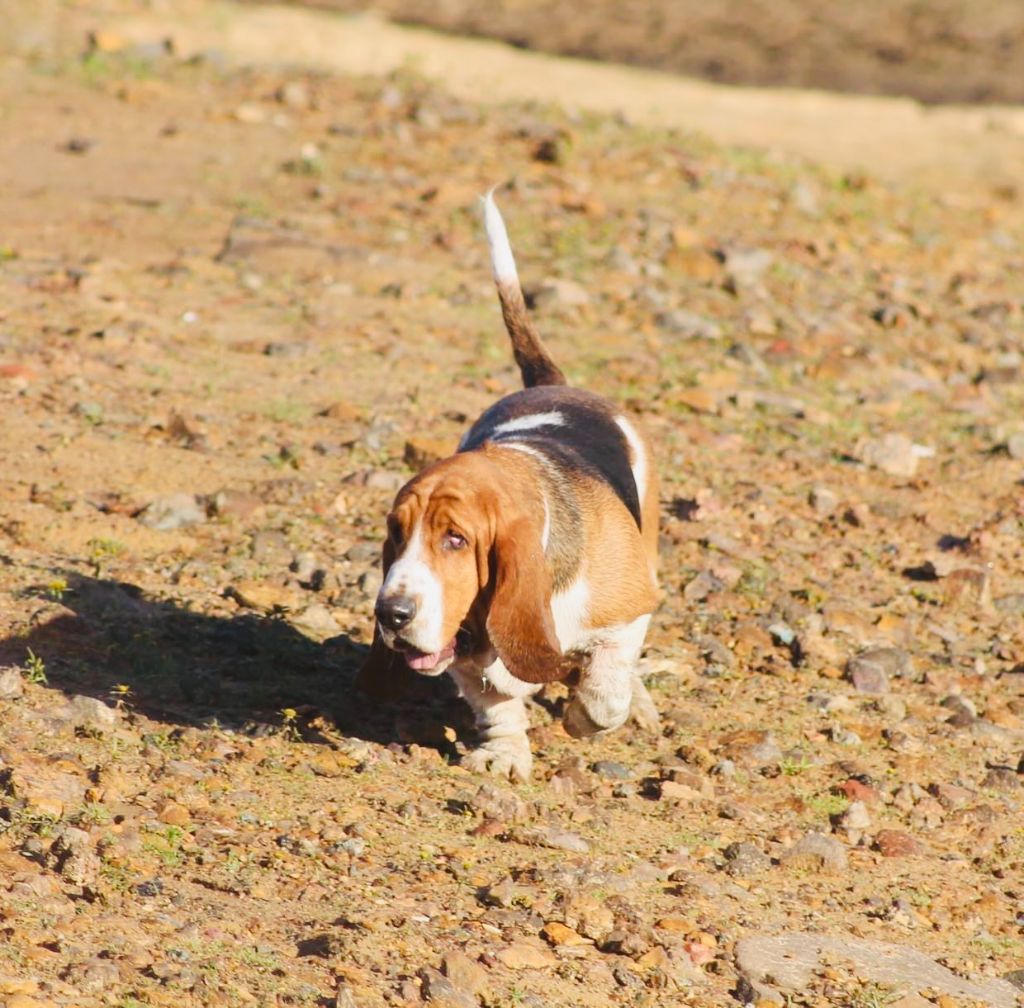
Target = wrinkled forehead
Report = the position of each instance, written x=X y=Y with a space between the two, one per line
x=437 y=494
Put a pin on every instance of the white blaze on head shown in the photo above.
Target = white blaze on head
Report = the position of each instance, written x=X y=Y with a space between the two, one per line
x=502 y=261
x=410 y=575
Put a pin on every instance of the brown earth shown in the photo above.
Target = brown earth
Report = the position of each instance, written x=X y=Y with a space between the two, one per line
x=939 y=51
x=264 y=291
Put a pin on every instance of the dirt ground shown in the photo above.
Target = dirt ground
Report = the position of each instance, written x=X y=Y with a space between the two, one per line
x=937 y=51
x=240 y=307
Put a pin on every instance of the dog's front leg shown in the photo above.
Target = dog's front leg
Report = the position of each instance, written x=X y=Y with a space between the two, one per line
x=498 y=704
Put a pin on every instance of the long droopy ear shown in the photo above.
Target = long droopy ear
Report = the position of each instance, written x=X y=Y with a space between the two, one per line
x=519 y=622
x=385 y=675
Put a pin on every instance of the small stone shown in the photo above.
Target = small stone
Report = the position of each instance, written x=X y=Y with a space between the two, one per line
x=466 y=973
x=870 y=670
x=612 y=770
x=230 y=503
x=552 y=837
x=896 y=843
x=558 y=293
x=589 y=916
x=251 y=113
x=522 y=955
x=745 y=267
x=88 y=712
x=699 y=400
x=823 y=500
x=818 y=851
x=439 y=991
x=751 y=748
x=1015 y=445
x=12 y=686
x=173 y=814
x=894 y=454
x=745 y=860
x=967 y=588
x=688 y=324
x=317 y=621
x=856 y=816
x=560 y=934
x=73 y=857
x=265 y=596
x=173 y=511
x=421 y=450
x=295 y=94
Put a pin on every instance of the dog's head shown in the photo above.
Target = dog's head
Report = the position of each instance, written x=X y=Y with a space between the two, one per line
x=464 y=574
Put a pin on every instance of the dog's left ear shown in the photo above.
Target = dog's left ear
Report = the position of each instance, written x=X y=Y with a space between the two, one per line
x=519 y=623
x=385 y=675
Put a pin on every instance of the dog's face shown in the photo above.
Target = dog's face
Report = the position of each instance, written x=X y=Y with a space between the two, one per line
x=436 y=557
x=464 y=574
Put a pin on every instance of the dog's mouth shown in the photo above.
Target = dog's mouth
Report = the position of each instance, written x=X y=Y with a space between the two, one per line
x=427 y=661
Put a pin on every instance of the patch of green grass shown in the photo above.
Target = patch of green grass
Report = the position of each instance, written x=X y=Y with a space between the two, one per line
x=827 y=804
x=286 y=411
x=166 y=845
x=35 y=669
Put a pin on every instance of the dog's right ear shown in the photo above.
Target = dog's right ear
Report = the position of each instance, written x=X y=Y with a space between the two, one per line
x=385 y=675
x=519 y=621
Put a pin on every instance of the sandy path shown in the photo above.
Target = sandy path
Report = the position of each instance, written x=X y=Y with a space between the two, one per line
x=894 y=138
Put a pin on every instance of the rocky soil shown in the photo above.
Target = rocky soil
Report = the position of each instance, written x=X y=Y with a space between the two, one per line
x=241 y=306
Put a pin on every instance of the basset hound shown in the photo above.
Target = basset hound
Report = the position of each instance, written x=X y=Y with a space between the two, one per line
x=528 y=556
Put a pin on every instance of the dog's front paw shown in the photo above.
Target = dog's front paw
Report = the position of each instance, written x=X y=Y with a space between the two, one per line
x=588 y=715
x=504 y=757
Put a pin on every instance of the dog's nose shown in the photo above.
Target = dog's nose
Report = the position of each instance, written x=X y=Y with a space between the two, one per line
x=395 y=612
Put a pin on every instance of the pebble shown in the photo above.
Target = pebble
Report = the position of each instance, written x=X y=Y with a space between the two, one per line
x=896 y=843
x=173 y=511
x=856 y=816
x=745 y=267
x=73 y=857
x=467 y=974
x=438 y=991
x=88 y=712
x=688 y=324
x=523 y=955
x=317 y=621
x=967 y=588
x=12 y=686
x=870 y=670
x=823 y=500
x=745 y=860
x=561 y=934
x=559 y=293
x=894 y=454
x=1015 y=445
x=818 y=851
x=612 y=770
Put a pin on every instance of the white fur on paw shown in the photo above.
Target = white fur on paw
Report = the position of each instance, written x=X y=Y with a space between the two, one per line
x=504 y=757
x=583 y=716
x=642 y=711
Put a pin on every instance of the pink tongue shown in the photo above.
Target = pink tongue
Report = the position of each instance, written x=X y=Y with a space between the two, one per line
x=423 y=662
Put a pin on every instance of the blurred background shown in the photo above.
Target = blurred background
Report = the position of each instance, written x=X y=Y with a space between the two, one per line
x=932 y=50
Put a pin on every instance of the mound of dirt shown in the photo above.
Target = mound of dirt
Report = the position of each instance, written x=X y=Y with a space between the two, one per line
x=941 y=51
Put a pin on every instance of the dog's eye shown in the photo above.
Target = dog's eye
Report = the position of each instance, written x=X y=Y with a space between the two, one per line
x=453 y=541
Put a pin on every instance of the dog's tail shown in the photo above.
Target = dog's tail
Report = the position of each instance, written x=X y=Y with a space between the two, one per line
x=535 y=364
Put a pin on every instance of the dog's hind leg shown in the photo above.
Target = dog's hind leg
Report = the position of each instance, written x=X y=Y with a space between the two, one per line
x=609 y=687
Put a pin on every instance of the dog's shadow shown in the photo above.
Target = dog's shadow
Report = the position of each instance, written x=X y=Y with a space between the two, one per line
x=187 y=668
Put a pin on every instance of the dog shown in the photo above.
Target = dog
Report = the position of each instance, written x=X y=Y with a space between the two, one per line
x=527 y=557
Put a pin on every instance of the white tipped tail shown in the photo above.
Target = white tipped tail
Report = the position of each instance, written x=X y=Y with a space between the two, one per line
x=502 y=261
x=535 y=364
